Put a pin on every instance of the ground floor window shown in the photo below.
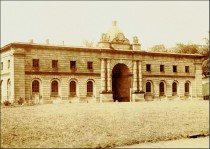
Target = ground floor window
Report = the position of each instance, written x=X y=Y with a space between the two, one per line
x=35 y=86
x=148 y=87
x=187 y=86
x=8 y=89
x=161 y=88
x=174 y=88
x=89 y=88
x=72 y=88
x=54 y=88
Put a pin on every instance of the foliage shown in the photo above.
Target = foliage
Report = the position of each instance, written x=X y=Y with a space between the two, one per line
x=20 y=101
x=7 y=103
x=158 y=48
x=186 y=48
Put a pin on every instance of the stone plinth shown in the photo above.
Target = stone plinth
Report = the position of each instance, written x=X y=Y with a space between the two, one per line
x=136 y=47
x=106 y=97
x=136 y=97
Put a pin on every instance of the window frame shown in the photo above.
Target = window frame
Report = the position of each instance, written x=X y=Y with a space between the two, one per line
x=148 y=67
x=162 y=68
x=35 y=87
x=187 y=69
x=35 y=63
x=54 y=64
x=174 y=68
x=89 y=88
x=73 y=65
x=148 y=87
x=89 y=65
x=72 y=88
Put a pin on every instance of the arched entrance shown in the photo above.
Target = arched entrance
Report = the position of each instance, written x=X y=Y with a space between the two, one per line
x=121 y=83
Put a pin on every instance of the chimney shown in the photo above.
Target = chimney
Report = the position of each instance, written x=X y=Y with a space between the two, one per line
x=63 y=43
x=47 y=41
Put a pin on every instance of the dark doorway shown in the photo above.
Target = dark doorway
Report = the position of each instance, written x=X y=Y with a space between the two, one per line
x=121 y=83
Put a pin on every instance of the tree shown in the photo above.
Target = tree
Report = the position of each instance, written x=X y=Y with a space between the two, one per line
x=186 y=48
x=158 y=48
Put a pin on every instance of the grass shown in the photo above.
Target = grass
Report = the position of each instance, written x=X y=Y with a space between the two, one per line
x=101 y=125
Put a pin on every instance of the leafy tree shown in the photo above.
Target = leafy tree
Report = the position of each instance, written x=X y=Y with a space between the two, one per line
x=186 y=48
x=158 y=48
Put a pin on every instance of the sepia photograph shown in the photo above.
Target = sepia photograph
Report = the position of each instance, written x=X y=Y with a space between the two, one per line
x=104 y=74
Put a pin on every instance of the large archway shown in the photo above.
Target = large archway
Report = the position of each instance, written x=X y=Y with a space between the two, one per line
x=121 y=83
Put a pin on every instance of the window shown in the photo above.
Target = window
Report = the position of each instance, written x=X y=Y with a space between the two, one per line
x=89 y=88
x=72 y=88
x=161 y=68
x=174 y=87
x=148 y=67
x=54 y=88
x=187 y=86
x=54 y=63
x=36 y=63
x=186 y=68
x=161 y=87
x=8 y=64
x=148 y=87
x=89 y=65
x=72 y=64
x=35 y=86
x=1 y=65
x=174 y=68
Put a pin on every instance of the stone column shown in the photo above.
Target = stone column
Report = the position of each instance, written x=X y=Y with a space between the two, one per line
x=134 y=77
x=102 y=75
x=139 y=76
x=108 y=75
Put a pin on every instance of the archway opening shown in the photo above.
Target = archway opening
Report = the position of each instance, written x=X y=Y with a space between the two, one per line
x=121 y=83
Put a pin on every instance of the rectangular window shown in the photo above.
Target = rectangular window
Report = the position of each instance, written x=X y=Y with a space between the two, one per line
x=8 y=64
x=1 y=65
x=161 y=68
x=72 y=64
x=148 y=67
x=174 y=68
x=186 y=68
x=54 y=63
x=89 y=65
x=36 y=63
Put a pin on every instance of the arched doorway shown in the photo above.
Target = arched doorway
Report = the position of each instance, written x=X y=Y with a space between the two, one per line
x=121 y=83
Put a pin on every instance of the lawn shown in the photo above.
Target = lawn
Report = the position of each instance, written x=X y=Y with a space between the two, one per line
x=101 y=124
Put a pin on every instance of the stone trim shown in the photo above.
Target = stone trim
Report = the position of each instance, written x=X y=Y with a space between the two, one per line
x=60 y=73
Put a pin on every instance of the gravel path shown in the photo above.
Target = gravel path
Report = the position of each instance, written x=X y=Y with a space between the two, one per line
x=202 y=142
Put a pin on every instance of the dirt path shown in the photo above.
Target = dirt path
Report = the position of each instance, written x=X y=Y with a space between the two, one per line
x=202 y=142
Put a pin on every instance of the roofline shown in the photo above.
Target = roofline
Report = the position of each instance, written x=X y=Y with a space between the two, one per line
x=93 y=49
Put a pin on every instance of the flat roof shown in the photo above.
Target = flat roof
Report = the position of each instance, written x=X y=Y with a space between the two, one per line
x=92 y=49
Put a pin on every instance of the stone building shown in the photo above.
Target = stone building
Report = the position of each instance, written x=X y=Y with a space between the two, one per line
x=117 y=69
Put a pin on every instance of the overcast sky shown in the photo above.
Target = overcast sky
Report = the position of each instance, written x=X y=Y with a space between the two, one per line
x=161 y=22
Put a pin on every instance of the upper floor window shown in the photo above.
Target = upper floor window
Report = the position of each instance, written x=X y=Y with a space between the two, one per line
x=54 y=63
x=148 y=67
x=89 y=65
x=186 y=68
x=174 y=68
x=72 y=64
x=161 y=68
x=8 y=64
x=1 y=65
x=35 y=62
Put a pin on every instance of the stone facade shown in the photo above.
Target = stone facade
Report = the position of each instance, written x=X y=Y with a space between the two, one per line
x=114 y=70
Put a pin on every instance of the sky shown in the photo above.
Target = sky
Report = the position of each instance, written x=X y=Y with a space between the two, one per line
x=153 y=22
